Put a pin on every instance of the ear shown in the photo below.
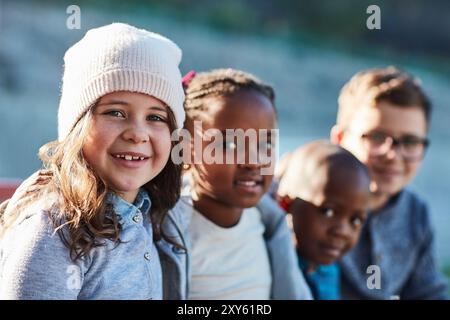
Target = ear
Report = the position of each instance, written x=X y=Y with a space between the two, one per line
x=336 y=134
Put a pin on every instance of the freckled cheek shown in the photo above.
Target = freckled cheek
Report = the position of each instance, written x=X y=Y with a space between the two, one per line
x=92 y=148
x=102 y=134
x=161 y=143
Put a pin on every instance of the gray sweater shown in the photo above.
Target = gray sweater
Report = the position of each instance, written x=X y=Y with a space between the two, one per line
x=399 y=240
x=35 y=264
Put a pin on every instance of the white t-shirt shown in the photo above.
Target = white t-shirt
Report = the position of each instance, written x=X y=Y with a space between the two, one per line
x=229 y=263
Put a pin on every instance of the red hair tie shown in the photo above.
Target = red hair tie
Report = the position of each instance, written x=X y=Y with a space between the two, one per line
x=187 y=78
x=284 y=203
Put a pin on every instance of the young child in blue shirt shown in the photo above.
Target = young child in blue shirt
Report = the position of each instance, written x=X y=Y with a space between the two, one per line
x=325 y=190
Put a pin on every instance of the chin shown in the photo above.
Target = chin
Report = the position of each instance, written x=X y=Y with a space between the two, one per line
x=126 y=187
x=246 y=203
x=389 y=189
x=326 y=262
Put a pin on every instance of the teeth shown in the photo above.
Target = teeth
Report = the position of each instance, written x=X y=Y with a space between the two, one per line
x=128 y=157
x=247 y=183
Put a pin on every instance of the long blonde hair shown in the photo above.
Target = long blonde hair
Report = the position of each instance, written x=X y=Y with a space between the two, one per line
x=81 y=215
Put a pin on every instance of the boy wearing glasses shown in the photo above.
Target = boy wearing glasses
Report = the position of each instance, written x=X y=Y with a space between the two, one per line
x=383 y=119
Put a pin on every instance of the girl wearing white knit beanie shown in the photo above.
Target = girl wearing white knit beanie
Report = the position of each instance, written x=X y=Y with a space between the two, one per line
x=97 y=227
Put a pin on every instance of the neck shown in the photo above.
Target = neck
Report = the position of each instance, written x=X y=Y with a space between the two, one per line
x=219 y=213
x=378 y=200
x=129 y=196
x=309 y=266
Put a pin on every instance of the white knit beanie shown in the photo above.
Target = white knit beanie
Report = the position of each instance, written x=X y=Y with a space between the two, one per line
x=119 y=57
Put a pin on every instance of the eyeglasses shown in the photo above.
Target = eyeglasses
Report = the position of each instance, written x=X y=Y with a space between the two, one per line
x=411 y=147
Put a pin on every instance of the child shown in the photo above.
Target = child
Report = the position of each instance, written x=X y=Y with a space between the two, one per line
x=89 y=232
x=326 y=191
x=241 y=245
x=383 y=119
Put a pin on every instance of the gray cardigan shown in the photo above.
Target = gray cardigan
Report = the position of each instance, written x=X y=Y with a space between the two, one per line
x=399 y=240
x=35 y=264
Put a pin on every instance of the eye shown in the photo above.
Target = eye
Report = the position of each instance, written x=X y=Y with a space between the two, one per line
x=266 y=145
x=376 y=138
x=155 y=117
x=327 y=212
x=357 y=221
x=231 y=145
x=115 y=113
x=411 y=141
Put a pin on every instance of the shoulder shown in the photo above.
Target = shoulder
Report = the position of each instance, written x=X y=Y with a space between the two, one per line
x=418 y=210
x=413 y=200
x=271 y=213
x=35 y=261
x=407 y=217
x=34 y=231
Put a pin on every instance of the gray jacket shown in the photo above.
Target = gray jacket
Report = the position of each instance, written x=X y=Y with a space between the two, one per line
x=35 y=264
x=398 y=241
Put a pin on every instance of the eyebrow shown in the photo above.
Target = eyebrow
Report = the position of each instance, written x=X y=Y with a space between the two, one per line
x=125 y=103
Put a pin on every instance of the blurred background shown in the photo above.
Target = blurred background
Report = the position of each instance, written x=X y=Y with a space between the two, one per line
x=306 y=49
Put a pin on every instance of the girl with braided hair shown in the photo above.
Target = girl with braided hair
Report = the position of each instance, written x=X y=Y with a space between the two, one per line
x=241 y=247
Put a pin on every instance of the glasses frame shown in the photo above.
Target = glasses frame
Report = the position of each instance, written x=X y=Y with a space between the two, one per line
x=398 y=144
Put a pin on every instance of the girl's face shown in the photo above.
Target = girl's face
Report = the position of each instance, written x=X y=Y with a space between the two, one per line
x=128 y=143
x=328 y=225
x=234 y=185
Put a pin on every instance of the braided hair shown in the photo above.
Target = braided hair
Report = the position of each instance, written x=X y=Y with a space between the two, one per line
x=219 y=83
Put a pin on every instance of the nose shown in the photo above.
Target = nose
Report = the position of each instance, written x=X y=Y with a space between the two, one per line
x=251 y=160
x=250 y=166
x=136 y=134
x=393 y=152
x=341 y=229
x=392 y=148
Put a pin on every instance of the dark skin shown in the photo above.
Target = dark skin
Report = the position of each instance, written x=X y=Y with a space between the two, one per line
x=327 y=223
x=222 y=191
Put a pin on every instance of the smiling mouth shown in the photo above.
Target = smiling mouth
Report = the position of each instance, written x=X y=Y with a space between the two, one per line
x=387 y=173
x=130 y=157
x=248 y=183
x=332 y=251
x=249 y=186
